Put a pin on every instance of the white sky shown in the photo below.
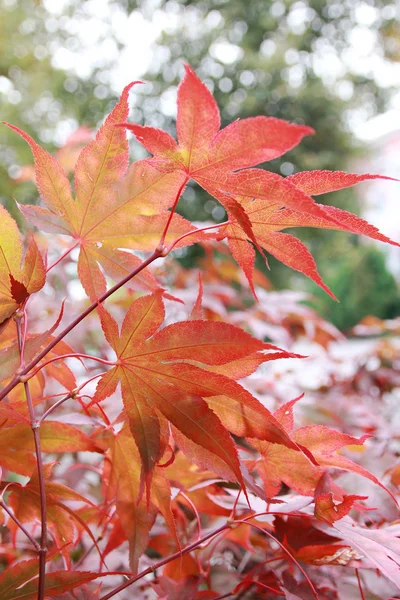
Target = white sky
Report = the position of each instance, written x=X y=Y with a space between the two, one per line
x=106 y=20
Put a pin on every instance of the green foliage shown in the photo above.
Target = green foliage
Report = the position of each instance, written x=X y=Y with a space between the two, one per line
x=361 y=280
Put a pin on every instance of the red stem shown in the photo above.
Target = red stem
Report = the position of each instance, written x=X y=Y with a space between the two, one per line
x=286 y=552
x=171 y=214
x=35 y=425
x=63 y=255
x=72 y=394
x=359 y=585
x=18 y=378
x=195 y=511
x=54 y=406
x=165 y=561
x=71 y=355
x=255 y=582
x=20 y=525
x=169 y=248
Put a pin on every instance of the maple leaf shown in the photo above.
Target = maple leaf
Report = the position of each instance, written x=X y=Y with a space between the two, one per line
x=159 y=384
x=15 y=576
x=56 y=583
x=114 y=207
x=168 y=589
x=267 y=219
x=83 y=593
x=10 y=356
x=327 y=510
x=62 y=520
x=253 y=198
x=54 y=437
x=210 y=156
x=17 y=444
x=380 y=547
x=309 y=544
x=280 y=464
x=19 y=277
x=135 y=516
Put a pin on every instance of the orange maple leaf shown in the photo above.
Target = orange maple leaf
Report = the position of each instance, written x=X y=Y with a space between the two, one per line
x=165 y=376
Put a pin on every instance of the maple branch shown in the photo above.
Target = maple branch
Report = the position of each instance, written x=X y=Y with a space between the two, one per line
x=167 y=560
x=20 y=525
x=35 y=425
x=19 y=378
x=63 y=255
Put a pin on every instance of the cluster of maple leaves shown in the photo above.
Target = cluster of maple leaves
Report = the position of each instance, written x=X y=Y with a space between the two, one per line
x=184 y=458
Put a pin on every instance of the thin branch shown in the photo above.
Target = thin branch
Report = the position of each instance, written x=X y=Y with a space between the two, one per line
x=19 y=377
x=268 y=534
x=86 y=554
x=20 y=525
x=267 y=587
x=73 y=394
x=54 y=406
x=35 y=425
x=359 y=585
x=195 y=511
x=167 y=560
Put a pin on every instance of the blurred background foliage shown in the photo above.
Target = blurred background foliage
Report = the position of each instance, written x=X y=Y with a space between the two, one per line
x=288 y=59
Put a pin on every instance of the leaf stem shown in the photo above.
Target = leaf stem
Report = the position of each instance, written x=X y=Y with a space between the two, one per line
x=171 y=214
x=63 y=255
x=20 y=525
x=359 y=585
x=71 y=355
x=167 y=560
x=169 y=248
x=72 y=394
x=19 y=377
x=54 y=406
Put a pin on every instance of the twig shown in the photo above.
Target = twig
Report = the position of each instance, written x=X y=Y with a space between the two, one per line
x=167 y=560
x=359 y=585
x=73 y=394
x=35 y=425
x=20 y=525
x=54 y=406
